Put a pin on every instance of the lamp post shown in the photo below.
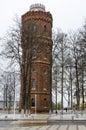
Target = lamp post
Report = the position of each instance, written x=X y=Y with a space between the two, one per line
x=68 y=97
x=14 y=104
x=4 y=99
x=14 y=96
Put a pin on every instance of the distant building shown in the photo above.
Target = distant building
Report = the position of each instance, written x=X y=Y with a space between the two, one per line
x=6 y=105
x=37 y=23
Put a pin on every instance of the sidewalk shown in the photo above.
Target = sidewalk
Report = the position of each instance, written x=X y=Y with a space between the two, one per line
x=39 y=121
x=49 y=127
x=58 y=116
x=69 y=116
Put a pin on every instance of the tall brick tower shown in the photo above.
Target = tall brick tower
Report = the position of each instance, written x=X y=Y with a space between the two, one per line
x=37 y=40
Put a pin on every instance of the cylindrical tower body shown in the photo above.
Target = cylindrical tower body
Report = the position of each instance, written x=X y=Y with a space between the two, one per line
x=37 y=40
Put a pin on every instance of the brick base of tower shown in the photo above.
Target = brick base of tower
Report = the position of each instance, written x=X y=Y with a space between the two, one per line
x=42 y=104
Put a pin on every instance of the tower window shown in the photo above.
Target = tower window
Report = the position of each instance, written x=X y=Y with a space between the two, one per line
x=45 y=72
x=44 y=28
x=44 y=99
x=34 y=53
x=33 y=102
x=33 y=70
x=33 y=83
x=34 y=28
x=45 y=102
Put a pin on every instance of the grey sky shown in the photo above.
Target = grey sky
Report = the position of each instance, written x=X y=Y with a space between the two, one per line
x=67 y=14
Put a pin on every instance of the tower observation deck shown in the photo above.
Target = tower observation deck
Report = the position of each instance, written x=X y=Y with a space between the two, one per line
x=37 y=7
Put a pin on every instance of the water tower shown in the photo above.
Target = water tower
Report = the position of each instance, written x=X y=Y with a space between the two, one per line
x=37 y=27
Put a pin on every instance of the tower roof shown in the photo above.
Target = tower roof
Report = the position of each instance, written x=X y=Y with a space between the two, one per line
x=37 y=7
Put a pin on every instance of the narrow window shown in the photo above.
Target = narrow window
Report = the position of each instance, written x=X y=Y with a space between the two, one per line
x=34 y=28
x=33 y=70
x=45 y=102
x=44 y=99
x=44 y=28
x=33 y=83
x=34 y=53
x=33 y=102
x=45 y=72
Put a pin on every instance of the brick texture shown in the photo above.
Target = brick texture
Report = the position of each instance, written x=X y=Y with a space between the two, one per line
x=40 y=48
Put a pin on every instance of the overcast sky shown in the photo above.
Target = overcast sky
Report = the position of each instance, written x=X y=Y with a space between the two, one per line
x=67 y=14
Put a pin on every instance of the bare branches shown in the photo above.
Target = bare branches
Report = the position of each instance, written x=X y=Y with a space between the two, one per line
x=12 y=44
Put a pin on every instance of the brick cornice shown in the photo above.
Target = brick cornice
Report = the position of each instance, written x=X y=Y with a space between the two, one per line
x=37 y=15
x=41 y=61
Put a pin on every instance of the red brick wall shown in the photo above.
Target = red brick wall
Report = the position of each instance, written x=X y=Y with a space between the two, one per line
x=41 y=64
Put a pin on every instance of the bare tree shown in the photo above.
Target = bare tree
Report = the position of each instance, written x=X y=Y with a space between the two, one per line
x=9 y=85
x=59 y=58
x=11 y=45
x=76 y=55
x=82 y=45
